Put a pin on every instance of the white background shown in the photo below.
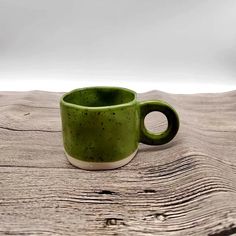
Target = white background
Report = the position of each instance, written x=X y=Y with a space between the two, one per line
x=182 y=46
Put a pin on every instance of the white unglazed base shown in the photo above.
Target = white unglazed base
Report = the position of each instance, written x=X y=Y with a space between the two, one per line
x=99 y=165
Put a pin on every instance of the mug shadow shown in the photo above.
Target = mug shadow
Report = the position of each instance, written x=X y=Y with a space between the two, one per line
x=147 y=148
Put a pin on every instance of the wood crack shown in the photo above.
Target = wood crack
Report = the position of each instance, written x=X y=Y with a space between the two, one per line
x=30 y=130
x=70 y=167
x=31 y=106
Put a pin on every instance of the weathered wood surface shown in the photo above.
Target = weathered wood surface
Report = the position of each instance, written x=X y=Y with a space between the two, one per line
x=186 y=187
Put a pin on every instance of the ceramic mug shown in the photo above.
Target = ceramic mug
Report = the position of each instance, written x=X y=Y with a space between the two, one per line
x=102 y=126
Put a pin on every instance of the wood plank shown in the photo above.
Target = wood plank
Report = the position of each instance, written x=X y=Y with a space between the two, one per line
x=186 y=187
x=190 y=198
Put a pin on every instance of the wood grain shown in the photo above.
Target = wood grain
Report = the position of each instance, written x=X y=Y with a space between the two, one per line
x=186 y=187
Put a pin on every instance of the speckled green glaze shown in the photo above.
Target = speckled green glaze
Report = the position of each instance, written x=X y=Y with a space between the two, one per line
x=106 y=124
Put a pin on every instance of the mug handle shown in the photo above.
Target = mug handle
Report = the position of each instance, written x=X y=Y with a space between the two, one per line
x=150 y=138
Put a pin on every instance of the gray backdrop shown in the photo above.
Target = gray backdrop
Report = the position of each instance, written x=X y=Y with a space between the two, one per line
x=177 y=43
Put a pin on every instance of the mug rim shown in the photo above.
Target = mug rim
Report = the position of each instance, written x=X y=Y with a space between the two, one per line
x=133 y=101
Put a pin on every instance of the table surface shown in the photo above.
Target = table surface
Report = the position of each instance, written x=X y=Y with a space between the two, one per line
x=185 y=187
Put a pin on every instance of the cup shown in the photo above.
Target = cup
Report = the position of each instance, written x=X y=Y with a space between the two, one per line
x=102 y=126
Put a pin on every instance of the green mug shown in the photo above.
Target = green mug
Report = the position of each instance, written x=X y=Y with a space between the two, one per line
x=102 y=126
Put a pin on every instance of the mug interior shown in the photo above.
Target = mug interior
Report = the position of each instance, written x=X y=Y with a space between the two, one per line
x=99 y=96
